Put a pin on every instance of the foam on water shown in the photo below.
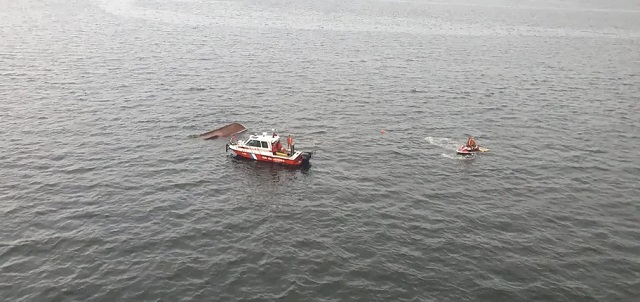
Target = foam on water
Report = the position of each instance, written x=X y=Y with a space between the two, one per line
x=443 y=142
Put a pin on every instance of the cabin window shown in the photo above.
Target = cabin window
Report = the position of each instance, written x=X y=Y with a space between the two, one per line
x=264 y=145
x=253 y=143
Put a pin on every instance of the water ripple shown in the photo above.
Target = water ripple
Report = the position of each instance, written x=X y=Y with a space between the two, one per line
x=105 y=197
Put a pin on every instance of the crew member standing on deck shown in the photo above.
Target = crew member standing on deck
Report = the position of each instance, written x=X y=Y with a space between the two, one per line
x=290 y=144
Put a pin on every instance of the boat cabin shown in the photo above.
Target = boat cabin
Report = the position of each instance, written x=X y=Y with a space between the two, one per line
x=268 y=143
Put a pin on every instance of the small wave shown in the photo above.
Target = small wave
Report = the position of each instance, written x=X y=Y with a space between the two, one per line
x=458 y=157
x=196 y=89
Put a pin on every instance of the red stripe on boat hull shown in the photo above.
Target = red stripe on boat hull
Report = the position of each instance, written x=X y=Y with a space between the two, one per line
x=271 y=159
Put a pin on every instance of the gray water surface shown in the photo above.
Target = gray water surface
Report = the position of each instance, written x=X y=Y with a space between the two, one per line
x=104 y=197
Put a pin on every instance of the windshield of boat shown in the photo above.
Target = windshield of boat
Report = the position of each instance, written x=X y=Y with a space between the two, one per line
x=253 y=143
x=257 y=143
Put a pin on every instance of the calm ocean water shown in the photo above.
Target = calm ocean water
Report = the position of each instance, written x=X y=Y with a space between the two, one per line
x=104 y=197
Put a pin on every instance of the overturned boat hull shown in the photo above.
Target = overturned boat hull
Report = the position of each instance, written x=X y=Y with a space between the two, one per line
x=226 y=131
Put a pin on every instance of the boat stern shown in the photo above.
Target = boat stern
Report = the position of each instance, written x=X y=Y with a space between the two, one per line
x=306 y=159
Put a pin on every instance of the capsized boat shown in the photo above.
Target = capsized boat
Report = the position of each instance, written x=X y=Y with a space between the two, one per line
x=464 y=150
x=268 y=148
x=225 y=131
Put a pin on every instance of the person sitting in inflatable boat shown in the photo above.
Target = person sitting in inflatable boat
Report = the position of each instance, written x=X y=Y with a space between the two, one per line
x=471 y=144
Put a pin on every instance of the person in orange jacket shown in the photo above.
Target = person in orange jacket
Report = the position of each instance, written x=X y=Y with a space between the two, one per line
x=290 y=144
x=471 y=144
